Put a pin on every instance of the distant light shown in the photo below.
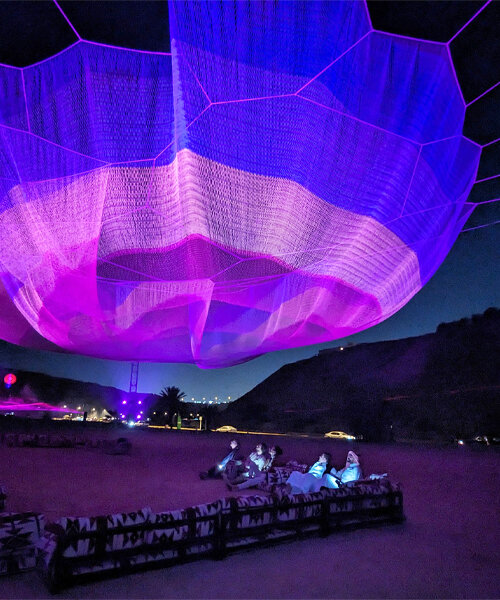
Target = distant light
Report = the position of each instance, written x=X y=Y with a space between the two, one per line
x=210 y=401
x=79 y=408
x=229 y=397
x=192 y=399
x=9 y=379
x=130 y=423
x=124 y=402
x=65 y=406
x=93 y=409
x=164 y=413
x=138 y=416
x=460 y=442
x=341 y=348
x=140 y=402
x=141 y=412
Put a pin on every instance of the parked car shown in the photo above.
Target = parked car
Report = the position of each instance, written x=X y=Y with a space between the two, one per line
x=340 y=435
x=227 y=429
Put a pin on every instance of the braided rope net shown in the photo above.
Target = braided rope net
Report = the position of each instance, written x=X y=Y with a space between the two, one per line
x=286 y=176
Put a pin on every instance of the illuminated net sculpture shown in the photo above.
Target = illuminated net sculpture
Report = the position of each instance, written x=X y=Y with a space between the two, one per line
x=286 y=176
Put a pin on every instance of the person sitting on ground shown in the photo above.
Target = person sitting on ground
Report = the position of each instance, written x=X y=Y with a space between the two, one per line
x=351 y=472
x=254 y=476
x=234 y=456
x=303 y=483
x=253 y=467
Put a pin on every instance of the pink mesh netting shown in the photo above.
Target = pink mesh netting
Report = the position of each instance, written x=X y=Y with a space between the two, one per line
x=285 y=177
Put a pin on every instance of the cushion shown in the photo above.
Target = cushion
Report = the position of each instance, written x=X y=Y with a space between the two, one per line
x=127 y=539
x=172 y=527
x=293 y=465
x=206 y=527
x=243 y=514
x=19 y=535
x=364 y=495
x=73 y=526
x=179 y=531
x=299 y=507
x=243 y=511
x=45 y=548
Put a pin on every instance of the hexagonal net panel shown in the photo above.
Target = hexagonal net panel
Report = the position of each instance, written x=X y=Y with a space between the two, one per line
x=287 y=176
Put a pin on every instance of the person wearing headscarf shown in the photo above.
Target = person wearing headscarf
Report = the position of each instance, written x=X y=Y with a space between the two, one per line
x=351 y=472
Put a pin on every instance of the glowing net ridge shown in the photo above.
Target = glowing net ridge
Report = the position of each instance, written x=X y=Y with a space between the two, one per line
x=287 y=176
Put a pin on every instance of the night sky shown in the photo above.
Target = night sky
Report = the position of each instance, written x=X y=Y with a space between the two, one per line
x=466 y=283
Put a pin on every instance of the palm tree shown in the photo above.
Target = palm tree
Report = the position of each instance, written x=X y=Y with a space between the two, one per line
x=168 y=406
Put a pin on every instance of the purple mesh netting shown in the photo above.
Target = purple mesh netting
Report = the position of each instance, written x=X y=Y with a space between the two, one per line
x=285 y=177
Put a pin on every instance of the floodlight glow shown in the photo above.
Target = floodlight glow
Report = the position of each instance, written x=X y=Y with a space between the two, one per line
x=22 y=405
x=287 y=176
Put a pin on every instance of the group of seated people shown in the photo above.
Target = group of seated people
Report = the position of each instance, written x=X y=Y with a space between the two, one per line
x=240 y=473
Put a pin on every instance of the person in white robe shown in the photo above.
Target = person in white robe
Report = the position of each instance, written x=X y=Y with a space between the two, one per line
x=303 y=483
x=351 y=472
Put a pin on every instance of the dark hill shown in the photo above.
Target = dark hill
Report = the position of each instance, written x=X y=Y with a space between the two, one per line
x=441 y=384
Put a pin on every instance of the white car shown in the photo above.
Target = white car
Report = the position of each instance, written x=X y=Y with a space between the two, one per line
x=227 y=429
x=339 y=435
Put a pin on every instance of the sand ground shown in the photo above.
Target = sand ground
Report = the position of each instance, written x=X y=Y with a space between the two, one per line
x=447 y=548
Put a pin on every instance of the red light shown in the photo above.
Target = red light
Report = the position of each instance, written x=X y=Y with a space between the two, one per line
x=10 y=379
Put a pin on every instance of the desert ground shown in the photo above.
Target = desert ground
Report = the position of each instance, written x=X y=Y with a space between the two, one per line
x=447 y=548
